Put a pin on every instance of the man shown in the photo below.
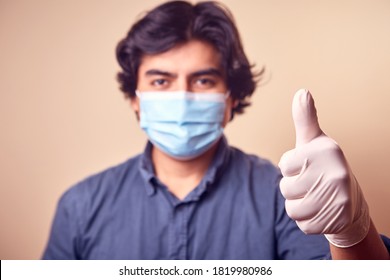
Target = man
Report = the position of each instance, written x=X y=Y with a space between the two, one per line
x=192 y=196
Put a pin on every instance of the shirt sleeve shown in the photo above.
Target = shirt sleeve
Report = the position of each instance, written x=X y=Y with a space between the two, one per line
x=386 y=241
x=63 y=240
x=292 y=243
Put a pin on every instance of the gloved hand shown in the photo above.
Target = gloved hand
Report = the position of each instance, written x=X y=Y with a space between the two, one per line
x=322 y=195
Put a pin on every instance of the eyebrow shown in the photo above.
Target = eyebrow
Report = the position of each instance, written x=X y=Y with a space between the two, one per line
x=204 y=72
x=208 y=72
x=153 y=72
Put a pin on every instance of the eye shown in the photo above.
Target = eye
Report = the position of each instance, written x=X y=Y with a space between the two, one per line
x=205 y=83
x=159 y=82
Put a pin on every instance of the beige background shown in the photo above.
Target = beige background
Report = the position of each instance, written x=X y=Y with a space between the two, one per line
x=63 y=118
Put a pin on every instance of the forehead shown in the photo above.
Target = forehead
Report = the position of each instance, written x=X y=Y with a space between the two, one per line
x=184 y=58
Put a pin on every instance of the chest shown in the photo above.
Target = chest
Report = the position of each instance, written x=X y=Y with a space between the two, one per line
x=227 y=226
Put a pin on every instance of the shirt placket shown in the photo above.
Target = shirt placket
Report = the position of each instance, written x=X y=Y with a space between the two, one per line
x=179 y=231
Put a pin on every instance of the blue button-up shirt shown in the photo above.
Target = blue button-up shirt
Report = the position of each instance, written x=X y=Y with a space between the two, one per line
x=236 y=212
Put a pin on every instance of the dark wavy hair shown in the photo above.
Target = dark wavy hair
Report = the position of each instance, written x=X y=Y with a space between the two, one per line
x=178 y=22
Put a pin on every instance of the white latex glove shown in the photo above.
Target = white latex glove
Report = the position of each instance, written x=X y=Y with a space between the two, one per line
x=322 y=195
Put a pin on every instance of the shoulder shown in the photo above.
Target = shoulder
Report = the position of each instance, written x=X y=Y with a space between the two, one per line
x=101 y=184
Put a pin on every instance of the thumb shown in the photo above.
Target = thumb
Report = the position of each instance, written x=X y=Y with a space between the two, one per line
x=305 y=117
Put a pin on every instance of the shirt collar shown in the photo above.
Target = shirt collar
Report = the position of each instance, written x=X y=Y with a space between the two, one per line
x=215 y=169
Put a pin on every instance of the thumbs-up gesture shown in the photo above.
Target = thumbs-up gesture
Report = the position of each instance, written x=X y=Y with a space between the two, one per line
x=322 y=195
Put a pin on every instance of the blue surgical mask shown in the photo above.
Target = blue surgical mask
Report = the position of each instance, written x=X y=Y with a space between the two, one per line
x=182 y=124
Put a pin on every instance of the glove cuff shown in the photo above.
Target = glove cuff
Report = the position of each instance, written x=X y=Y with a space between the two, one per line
x=355 y=233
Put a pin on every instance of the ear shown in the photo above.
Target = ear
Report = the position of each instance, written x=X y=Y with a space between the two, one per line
x=230 y=104
x=134 y=103
x=235 y=103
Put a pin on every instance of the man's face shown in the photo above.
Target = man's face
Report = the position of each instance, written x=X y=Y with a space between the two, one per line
x=194 y=66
